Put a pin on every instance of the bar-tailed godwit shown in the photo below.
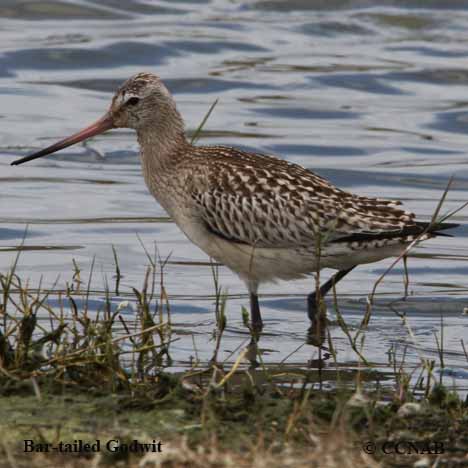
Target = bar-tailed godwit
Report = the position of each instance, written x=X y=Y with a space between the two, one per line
x=263 y=217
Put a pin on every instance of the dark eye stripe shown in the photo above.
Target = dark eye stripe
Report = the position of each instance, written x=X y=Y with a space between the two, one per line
x=132 y=101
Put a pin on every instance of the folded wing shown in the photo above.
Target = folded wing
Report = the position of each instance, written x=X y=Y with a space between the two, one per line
x=267 y=202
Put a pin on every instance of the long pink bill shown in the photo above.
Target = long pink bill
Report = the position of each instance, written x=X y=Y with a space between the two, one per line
x=103 y=124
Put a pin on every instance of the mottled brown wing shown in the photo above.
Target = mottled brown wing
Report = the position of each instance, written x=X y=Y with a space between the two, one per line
x=264 y=201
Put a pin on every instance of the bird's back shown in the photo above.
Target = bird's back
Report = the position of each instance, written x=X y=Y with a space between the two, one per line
x=265 y=201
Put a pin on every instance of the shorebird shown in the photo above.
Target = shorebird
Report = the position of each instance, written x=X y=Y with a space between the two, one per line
x=261 y=216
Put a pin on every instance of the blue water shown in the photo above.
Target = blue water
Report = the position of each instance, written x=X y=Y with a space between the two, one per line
x=374 y=98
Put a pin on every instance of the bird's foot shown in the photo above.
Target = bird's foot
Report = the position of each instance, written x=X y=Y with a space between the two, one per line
x=316 y=335
x=317 y=312
x=252 y=353
x=256 y=327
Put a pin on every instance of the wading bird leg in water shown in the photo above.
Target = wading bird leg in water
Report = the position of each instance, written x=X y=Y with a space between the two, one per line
x=316 y=309
x=256 y=318
x=256 y=324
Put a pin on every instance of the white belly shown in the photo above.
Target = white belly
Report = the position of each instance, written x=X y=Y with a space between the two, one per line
x=270 y=264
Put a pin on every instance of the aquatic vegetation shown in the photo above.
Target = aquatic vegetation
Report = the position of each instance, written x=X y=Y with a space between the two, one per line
x=67 y=373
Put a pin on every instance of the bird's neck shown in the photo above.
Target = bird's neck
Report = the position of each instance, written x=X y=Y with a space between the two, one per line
x=163 y=148
x=162 y=144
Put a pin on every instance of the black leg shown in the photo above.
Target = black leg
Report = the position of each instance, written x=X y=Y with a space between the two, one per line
x=256 y=329
x=312 y=297
x=318 y=319
x=255 y=315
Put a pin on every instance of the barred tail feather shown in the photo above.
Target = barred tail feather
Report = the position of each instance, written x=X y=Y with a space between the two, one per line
x=412 y=231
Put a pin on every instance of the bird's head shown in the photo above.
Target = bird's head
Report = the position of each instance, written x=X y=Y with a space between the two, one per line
x=142 y=102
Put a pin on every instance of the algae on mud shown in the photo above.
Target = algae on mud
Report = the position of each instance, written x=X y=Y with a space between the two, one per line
x=241 y=425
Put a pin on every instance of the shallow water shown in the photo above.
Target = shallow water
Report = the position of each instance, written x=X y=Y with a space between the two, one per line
x=374 y=98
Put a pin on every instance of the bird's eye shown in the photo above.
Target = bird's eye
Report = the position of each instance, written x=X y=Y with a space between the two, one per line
x=132 y=101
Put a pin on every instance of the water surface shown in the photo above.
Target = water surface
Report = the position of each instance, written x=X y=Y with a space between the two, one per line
x=374 y=98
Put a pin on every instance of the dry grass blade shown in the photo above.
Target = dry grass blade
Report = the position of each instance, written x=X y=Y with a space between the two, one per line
x=433 y=224
x=96 y=346
x=118 y=275
x=285 y=419
x=439 y=205
x=196 y=135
